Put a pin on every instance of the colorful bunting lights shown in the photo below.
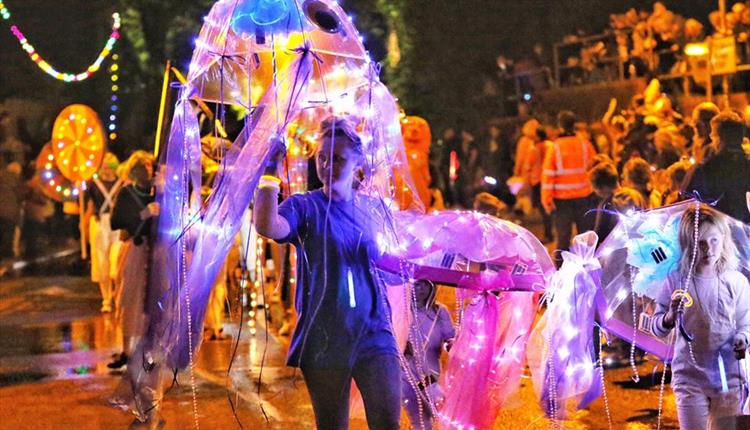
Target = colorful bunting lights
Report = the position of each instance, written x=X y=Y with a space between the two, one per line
x=47 y=68
x=4 y=11
x=113 y=108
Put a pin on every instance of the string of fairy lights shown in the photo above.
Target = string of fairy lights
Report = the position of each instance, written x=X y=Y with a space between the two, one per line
x=113 y=100
x=46 y=67
x=107 y=51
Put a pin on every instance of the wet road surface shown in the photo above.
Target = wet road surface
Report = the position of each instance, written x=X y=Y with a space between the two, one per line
x=54 y=346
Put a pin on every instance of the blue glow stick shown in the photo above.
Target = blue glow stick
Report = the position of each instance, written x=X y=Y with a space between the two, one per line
x=723 y=375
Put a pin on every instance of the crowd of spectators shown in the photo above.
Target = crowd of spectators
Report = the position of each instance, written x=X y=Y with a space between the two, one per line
x=644 y=155
x=28 y=217
x=636 y=43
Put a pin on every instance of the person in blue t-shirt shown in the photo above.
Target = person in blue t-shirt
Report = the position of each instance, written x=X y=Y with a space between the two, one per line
x=343 y=330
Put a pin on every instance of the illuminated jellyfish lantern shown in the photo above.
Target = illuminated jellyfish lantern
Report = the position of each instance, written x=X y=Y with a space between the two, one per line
x=469 y=250
x=78 y=142
x=53 y=183
x=286 y=70
x=636 y=259
x=250 y=54
x=498 y=266
x=241 y=51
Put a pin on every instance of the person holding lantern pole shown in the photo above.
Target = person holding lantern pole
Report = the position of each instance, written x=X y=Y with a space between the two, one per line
x=344 y=330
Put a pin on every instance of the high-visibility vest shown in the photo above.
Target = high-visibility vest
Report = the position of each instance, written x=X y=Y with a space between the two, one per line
x=565 y=169
x=532 y=172
x=523 y=147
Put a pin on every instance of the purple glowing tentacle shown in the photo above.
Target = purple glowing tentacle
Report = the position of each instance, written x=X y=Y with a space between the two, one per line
x=230 y=200
x=486 y=360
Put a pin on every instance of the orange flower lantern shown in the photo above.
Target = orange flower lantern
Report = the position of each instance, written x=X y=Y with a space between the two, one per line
x=78 y=142
x=53 y=183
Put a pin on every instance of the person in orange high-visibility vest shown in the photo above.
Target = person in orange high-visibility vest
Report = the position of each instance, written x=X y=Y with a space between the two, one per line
x=532 y=174
x=566 y=190
x=525 y=145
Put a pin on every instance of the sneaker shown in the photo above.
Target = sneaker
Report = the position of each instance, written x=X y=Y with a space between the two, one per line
x=121 y=360
x=106 y=309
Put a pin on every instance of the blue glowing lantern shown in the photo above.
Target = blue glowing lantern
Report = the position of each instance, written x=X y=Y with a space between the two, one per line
x=261 y=17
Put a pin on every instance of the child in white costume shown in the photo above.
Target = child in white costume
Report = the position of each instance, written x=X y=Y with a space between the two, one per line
x=434 y=333
x=708 y=387
x=101 y=196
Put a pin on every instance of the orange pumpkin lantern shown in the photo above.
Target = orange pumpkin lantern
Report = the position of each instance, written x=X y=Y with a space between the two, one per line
x=417 y=139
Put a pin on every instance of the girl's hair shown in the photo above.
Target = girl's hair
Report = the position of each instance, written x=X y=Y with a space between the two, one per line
x=333 y=127
x=626 y=198
x=708 y=215
x=637 y=173
x=137 y=157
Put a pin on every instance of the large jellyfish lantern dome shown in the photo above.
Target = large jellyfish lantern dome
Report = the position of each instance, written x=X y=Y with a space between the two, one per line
x=290 y=64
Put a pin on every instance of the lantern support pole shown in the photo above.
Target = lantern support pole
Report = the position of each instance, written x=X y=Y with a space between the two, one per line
x=162 y=107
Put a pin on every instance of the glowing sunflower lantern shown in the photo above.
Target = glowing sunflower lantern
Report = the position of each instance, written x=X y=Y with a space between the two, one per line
x=78 y=142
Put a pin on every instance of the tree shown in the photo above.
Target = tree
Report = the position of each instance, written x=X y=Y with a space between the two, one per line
x=154 y=31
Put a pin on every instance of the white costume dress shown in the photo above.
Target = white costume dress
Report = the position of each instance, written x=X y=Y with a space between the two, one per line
x=708 y=389
x=102 y=241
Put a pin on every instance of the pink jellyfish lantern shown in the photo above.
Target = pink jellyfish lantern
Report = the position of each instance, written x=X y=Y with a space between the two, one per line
x=468 y=250
x=498 y=266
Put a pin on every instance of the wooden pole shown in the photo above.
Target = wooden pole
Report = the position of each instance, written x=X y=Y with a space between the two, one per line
x=81 y=224
x=204 y=107
x=162 y=107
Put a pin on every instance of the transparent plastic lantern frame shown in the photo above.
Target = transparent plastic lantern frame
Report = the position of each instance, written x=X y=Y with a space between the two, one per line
x=237 y=69
x=468 y=250
x=614 y=300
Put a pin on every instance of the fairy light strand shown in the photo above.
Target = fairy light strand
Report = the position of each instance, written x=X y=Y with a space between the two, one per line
x=681 y=308
x=605 y=397
x=114 y=99
x=47 y=67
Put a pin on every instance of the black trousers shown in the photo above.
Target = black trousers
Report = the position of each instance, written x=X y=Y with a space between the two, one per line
x=536 y=201
x=568 y=213
x=378 y=379
x=7 y=232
